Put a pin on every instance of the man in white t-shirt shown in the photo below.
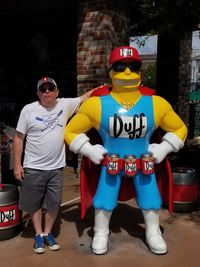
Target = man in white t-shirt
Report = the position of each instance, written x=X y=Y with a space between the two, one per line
x=41 y=127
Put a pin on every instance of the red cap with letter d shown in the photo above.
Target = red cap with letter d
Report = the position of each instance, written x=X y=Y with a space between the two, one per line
x=124 y=53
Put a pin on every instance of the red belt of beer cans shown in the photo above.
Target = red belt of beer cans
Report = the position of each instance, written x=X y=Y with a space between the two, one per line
x=129 y=164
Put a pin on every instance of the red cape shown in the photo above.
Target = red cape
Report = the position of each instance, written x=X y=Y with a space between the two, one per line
x=89 y=172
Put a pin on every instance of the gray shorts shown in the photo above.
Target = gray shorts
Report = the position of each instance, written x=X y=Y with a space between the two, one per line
x=41 y=189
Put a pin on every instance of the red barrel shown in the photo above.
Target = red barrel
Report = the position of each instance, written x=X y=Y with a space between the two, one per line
x=185 y=189
x=10 y=216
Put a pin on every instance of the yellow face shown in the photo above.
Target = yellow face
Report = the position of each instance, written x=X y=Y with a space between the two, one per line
x=125 y=80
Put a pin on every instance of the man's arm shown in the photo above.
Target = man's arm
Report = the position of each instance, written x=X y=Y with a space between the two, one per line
x=17 y=151
x=89 y=93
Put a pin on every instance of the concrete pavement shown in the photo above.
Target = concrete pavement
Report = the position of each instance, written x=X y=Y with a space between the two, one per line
x=126 y=242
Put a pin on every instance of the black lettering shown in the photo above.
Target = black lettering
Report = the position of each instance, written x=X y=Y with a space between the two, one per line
x=2 y=217
x=132 y=133
x=131 y=127
x=117 y=118
x=127 y=127
x=10 y=215
x=136 y=133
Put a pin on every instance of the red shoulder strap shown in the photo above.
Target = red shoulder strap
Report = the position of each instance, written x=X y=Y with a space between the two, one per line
x=103 y=90
x=147 y=91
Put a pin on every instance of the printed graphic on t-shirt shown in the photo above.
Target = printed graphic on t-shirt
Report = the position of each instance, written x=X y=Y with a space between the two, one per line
x=128 y=127
x=50 y=121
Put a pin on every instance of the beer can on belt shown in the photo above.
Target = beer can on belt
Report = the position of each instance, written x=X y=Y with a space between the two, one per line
x=130 y=167
x=112 y=163
x=147 y=164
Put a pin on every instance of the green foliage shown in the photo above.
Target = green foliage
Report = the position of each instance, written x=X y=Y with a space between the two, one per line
x=164 y=16
x=149 y=76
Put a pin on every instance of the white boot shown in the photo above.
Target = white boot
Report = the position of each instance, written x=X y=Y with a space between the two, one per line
x=101 y=231
x=153 y=234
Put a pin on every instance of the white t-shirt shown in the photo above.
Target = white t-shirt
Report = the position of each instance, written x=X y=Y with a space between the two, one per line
x=44 y=129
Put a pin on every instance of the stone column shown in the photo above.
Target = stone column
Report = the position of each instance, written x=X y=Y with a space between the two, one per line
x=102 y=25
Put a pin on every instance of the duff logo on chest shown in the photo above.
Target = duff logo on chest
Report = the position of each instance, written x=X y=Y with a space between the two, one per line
x=128 y=127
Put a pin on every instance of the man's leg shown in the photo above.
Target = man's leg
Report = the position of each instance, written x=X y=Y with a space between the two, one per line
x=51 y=205
x=50 y=217
x=36 y=218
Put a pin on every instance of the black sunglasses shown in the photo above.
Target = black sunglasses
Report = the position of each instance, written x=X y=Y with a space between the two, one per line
x=120 y=66
x=45 y=87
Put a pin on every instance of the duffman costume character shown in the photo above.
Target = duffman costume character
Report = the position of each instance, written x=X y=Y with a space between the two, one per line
x=125 y=118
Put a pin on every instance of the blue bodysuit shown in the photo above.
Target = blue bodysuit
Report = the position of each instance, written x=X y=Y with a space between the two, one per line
x=126 y=132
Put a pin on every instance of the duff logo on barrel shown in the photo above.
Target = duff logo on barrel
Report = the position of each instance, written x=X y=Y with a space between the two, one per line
x=8 y=216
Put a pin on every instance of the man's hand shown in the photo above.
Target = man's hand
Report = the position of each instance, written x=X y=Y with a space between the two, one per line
x=19 y=172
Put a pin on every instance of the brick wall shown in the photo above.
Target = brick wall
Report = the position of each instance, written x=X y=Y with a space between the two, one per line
x=102 y=25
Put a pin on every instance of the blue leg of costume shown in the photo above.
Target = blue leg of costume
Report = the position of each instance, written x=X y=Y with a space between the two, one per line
x=147 y=192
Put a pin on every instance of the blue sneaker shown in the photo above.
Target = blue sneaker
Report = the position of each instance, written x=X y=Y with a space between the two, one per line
x=39 y=244
x=51 y=242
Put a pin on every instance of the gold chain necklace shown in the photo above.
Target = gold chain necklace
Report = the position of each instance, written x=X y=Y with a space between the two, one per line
x=127 y=105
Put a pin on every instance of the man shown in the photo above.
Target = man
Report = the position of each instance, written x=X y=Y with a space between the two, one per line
x=41 y=127
x=125 y=120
